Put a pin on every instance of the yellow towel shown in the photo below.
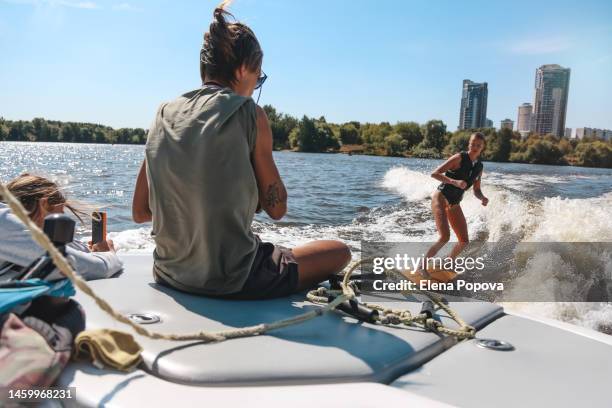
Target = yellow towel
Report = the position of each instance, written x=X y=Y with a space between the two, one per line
x=108 y=348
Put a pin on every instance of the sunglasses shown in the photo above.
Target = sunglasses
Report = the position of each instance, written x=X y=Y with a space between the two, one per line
x=261 y=80
x=259 y=83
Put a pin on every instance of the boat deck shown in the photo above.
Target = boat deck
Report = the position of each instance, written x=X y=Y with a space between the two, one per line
x=334 y=354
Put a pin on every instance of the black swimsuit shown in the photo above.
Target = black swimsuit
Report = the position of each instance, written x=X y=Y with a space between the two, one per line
x=468 y=172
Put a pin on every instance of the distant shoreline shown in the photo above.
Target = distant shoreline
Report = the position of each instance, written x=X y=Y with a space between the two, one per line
x=332 y=152
x=430 y=140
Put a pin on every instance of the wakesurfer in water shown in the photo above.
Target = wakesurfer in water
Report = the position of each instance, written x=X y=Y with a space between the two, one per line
x=457 y=174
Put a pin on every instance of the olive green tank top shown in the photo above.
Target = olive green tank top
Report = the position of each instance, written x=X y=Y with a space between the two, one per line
x=202 y=190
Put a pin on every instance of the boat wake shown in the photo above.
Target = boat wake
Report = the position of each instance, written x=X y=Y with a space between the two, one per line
x=513 y=216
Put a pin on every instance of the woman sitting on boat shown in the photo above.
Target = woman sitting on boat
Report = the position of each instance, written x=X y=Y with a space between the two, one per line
x=457 y=174
x=208 y=168
x=42 y=197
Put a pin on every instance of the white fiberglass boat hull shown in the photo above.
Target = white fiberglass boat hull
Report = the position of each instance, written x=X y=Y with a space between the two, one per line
x=334 y=357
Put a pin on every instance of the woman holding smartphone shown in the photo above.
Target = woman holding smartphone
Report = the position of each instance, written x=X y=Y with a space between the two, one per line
x=42 y=197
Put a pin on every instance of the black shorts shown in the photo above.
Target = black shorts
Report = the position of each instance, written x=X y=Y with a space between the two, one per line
x=274 y=274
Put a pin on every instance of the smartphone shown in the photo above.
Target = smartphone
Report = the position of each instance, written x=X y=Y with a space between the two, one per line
x=98 y=226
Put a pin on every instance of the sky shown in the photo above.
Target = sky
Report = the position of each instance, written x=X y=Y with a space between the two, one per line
x=113 y=62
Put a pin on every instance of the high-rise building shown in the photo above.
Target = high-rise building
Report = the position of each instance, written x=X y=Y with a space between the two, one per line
x=507 y=124
x=568 y=132
x=489 y=123
x=473 y=105
x=550 y=105
x=523 y=122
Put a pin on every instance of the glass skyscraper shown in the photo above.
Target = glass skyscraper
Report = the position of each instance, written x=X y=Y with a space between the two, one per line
x=473 y=105
x=550 y=105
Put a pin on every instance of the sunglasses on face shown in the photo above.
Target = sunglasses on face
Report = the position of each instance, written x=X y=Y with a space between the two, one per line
x=261 y=80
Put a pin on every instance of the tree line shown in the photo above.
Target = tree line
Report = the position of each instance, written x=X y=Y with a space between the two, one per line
x=409 y=139
x=431 y=140
x=42 y=130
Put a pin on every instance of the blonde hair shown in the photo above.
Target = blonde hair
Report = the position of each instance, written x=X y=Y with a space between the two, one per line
x=30 y=189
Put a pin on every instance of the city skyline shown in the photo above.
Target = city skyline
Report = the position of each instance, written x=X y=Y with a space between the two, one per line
x=108 y=61
x=545 y=116
x=548 y=112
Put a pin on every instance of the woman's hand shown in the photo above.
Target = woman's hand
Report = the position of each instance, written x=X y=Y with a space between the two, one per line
x=460 y=184
x=453 y=163
x=103 y=246
x=484 y=201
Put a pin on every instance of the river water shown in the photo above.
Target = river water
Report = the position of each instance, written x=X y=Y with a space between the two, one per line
x=355 y=198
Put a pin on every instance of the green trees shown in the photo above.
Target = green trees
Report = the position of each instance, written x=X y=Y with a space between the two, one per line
x=349 y=134
x=457 y=142
x=566 y=146
x=594 y=154
x=539 y=152
x=15 y=132
x=431 y=140
x=302 y=136
x=375 y=134
x=69 y=133
x=394 y=145
x=434 y=140
x=42 y=130
x=281 y=125
x=434 y=135
x=313 y=136
x=3 y=129
x=499 y=145
x=507 y=146
x=410 y=132
x=99 y=136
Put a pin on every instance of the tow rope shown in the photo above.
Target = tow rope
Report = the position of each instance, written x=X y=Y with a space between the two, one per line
x=374 y=313
x=343 y=299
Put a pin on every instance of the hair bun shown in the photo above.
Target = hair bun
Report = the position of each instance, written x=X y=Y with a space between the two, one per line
x=227 y=46
x=221 y=11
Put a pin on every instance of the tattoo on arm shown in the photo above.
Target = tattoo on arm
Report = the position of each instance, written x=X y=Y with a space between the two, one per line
x=275 y=195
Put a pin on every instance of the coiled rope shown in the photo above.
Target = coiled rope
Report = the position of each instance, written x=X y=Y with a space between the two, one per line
x=387 y=316
x=318 y=296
